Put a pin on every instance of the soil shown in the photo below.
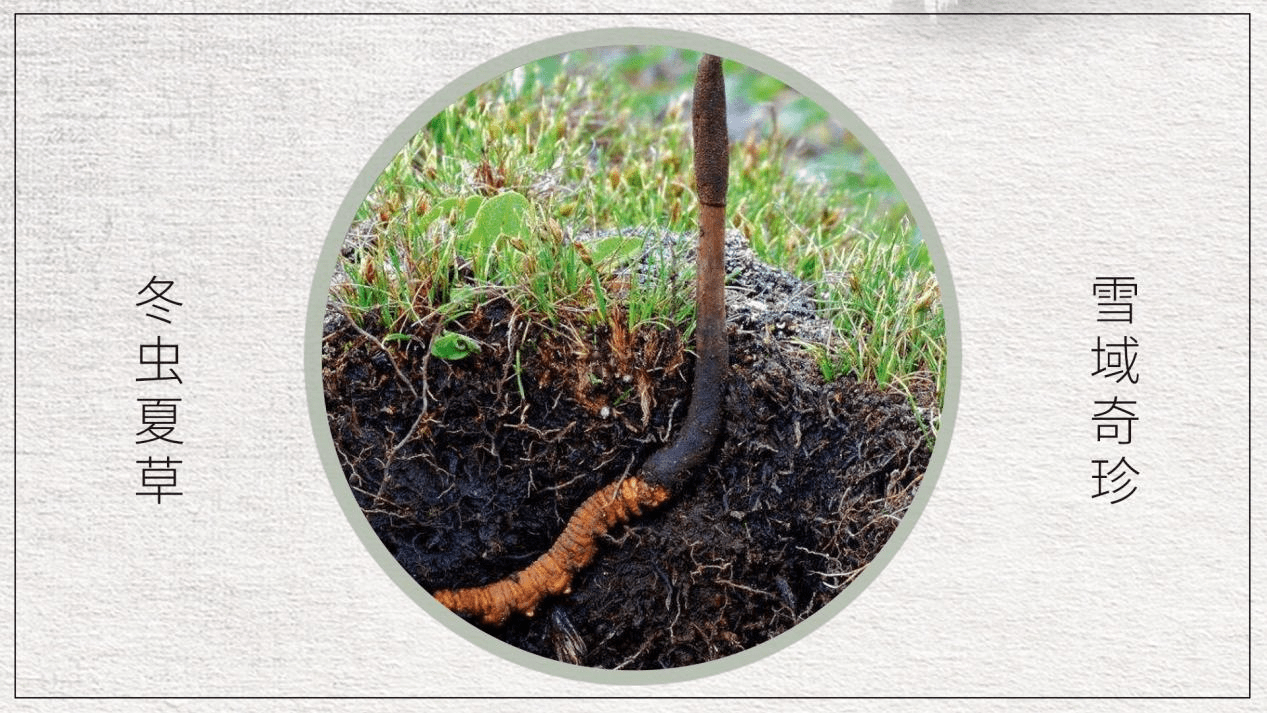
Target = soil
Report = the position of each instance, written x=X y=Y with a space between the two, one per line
x=467 y=470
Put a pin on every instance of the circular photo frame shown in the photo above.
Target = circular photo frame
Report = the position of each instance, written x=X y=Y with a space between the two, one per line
x=628 y=356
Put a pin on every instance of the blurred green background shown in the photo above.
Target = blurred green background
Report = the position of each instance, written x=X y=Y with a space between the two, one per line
x=659 y=76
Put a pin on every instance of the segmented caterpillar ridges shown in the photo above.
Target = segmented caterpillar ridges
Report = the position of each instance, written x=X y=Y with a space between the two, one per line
x=552 y=572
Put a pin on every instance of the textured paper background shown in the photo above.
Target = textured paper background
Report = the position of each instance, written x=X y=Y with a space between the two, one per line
x=215 y=151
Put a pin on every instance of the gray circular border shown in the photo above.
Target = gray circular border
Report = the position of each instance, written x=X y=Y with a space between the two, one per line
x=451 y=93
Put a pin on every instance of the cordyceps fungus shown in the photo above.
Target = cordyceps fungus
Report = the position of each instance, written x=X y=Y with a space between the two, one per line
x=668 y=469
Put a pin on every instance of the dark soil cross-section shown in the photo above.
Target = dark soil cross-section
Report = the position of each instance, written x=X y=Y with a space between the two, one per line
x=806 y=484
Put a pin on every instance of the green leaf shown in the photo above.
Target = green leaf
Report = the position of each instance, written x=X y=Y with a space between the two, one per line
x=503 y=214
x=472 y=206
x=619 y=248
x=452 y=346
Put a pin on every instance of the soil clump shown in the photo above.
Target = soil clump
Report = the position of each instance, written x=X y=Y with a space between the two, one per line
x=468 y=469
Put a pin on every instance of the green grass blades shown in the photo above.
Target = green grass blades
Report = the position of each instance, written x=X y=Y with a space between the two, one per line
x=490 y=196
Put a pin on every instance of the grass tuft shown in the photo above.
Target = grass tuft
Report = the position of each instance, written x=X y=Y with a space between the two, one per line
x=488 y=198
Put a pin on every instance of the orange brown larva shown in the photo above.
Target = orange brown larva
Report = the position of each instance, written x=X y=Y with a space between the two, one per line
x=552 y=572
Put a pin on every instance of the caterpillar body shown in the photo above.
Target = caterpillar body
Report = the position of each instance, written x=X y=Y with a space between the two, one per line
x=552 y=572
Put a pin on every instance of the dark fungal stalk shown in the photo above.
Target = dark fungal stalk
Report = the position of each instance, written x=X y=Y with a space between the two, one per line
x=670 y=466
x=668 y=469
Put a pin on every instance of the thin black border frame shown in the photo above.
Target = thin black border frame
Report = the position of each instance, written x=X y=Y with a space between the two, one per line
x=1248 y=693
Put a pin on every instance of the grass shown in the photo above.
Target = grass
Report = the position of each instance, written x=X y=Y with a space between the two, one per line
x=488 y=198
